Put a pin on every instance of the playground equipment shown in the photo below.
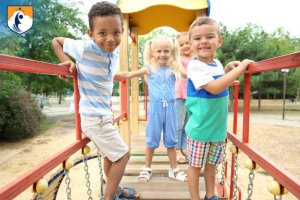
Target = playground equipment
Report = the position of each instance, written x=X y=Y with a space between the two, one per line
x=227 y=188
x=283 y=180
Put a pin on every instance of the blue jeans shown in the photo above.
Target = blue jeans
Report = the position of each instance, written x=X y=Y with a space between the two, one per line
x=182 y=118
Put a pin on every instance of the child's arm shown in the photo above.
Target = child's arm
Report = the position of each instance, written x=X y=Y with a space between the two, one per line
x=57 y=44
x=132 y=74
x=218 y=85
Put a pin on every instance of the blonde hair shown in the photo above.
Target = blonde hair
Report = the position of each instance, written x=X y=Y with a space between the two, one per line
x=174 y=62
x=182 y=34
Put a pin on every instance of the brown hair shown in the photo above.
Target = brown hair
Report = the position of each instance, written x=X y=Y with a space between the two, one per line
x=205 y=20
x=104 y=8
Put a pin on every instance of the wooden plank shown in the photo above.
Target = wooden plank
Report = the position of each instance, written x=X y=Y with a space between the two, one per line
x=162 y=188
x=156 y=169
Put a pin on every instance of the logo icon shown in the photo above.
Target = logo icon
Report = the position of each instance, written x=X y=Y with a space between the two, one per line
x=19 y=18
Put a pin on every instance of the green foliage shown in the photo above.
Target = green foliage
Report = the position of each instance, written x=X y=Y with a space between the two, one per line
x=19 y=116
x=252 y=42
x=293 y=84
x=51 y=19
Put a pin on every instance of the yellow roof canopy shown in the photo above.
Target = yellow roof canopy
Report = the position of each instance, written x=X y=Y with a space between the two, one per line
x=146 y=15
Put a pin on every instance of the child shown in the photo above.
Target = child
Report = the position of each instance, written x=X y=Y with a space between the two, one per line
x=96 y=66
x=180 y=91
x=207 y=104
x=162 y=62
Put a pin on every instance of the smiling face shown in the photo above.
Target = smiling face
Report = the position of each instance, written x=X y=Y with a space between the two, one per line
x=184 y=45
x=161 y=52
x=106 y=32
x=205 y=41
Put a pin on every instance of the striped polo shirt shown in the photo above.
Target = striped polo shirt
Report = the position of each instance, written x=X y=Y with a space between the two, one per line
x=207 y=112
x=96 y=69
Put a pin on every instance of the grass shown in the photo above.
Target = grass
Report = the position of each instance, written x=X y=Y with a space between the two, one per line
x=269 y=106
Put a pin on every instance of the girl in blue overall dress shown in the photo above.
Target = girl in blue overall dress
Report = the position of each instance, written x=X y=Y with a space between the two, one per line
x=162 y=60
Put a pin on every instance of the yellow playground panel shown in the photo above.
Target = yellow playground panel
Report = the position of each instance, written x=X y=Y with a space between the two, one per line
x=150 y=14
x=141 y=17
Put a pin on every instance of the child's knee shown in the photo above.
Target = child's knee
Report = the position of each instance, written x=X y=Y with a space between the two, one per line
x=210 y=168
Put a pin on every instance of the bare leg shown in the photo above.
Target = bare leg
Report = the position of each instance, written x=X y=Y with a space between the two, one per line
x=149 y=157
x=193 y=182
x=107 y=165
x=172 y=157
x=209 y=177
x=148 y=161
x=115 y=171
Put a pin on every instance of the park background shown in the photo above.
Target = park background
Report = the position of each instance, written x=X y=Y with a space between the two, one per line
x=25 y=98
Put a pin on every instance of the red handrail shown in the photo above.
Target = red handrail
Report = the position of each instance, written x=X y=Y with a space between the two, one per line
x=23 y=182
x=12 y=63
x=277 y=63
x=287 y=180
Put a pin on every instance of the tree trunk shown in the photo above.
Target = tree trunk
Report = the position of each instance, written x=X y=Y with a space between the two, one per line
x=59 y=98
x=259 y=101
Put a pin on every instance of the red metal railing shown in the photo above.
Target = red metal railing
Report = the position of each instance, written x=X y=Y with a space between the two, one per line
x=283 y=177
x=12 y=63
x=287 y=180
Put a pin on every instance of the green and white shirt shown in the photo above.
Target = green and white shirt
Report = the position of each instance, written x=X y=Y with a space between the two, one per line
x=207 y=112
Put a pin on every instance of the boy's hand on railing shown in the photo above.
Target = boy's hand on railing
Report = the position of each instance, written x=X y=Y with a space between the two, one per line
x=238 y=64
x=244 y=64
x=71 y=66
x=231 y=65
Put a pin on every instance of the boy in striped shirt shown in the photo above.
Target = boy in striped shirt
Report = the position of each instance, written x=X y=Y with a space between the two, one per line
x=96 y=67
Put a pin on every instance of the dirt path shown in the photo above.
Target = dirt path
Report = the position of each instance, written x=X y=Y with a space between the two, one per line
x=278 y=140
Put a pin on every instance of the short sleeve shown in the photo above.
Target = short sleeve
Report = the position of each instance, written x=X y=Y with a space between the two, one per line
x=199 y=74
x=74 y=48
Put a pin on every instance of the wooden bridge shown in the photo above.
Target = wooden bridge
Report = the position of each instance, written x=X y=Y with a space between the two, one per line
x=160 y=186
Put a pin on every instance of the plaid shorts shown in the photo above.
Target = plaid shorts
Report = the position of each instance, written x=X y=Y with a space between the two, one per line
x=201 y=153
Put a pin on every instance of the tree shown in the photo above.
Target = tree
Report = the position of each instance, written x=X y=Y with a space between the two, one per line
x=254 y=43
x=51 y=19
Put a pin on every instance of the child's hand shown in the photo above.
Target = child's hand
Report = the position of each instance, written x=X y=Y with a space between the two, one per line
x=244 y=64
x=71 y=66
x=231 y=65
